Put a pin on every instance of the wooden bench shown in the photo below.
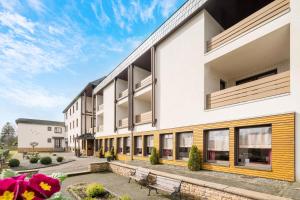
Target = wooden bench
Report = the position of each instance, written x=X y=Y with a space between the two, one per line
x=140 y=175
x=171 y=186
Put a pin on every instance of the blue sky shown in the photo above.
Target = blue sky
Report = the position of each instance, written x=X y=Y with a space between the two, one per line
x=49 y=50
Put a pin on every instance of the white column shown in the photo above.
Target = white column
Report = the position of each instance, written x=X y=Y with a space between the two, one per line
x=295 y=75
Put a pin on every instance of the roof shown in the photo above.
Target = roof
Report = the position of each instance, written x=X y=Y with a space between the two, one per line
x=40 y=122
x=182 y=15
x=92 y=84
x=87 y=136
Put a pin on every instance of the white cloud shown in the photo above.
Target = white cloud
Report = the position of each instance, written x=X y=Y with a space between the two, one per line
x=32 y=96
x=10 y=5
x=16 y=22
x=36 y=5
x=167 y=6
x=100 y=13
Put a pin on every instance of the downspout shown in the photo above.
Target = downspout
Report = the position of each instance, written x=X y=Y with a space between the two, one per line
x=154 y=80
x=130 y=101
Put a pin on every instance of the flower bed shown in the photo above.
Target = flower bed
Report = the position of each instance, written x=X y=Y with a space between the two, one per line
x=78 y=191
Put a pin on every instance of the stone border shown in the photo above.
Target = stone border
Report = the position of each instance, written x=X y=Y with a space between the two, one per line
x=190 y=187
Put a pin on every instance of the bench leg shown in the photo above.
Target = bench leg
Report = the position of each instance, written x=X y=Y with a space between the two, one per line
x=156 y=191
x=129 y=180
x=149 y=191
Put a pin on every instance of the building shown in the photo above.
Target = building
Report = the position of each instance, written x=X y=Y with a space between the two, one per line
x=50 y=135
x=78 y=119
x=221 y=75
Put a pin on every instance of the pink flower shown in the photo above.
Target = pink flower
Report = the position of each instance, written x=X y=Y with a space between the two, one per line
x=44 y=184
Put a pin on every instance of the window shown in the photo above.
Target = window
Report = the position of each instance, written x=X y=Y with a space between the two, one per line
x=222 y=85
x=49 y=128
x=49 y=140
x=70 y=111
x=167 y=146
x=120 y=145
x=138 y=146
x=66 y=115
x=257 y=77
x=148 y=144
x=76 y=122
x=217 y=146
x=77 y=105
x=254 y=146
x=73 y=124
x=57 y=130
x=126 y=142
x=184 y=144
x=73 y=109
x=66 y=128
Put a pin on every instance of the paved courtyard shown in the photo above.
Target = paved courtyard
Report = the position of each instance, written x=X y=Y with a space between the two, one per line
x=115 y=183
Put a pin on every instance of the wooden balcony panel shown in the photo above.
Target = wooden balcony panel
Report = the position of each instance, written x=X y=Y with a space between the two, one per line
x=123 y=94
x=123 y=123
x=143 y=118
x=269 y=12
x=144 y=82
x=262 y=88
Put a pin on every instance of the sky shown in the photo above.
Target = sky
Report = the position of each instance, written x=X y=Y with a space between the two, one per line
x=50 y=49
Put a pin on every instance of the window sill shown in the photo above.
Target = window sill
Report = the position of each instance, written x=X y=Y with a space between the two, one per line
x=218 y=164
x=258 y=168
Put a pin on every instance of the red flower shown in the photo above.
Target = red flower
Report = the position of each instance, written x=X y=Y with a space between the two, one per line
x=45 y=185
x=25 y=192
x=8 y=189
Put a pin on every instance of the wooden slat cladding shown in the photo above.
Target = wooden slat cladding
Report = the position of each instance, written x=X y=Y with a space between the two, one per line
x=143 y=118
x=123 y=123
x=145 y=82
x=272 y=10
x=262 y=88
x=283 y=145
x=123 y=94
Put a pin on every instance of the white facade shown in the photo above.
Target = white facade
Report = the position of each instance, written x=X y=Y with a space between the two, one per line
x=49 y=136
x=187 y=73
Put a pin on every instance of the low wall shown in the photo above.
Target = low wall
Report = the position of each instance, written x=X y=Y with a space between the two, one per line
x=190 y=188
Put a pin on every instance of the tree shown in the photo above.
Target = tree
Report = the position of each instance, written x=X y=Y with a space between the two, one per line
x=8 y=130
x=194 y=163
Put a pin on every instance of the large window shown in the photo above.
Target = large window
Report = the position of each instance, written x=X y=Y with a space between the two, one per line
x=184 y=144
x=57 y=130
x=119 y=145
x=149 y=143
x=217 y=146
x=138 y=146
x=166 y=141
x=254 y=146
x=127 y=144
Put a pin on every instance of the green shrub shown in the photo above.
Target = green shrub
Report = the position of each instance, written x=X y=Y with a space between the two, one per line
x=95 y=190
x=34 y=160
x=194 y=163
x=125 y=197
x=154 y=158
x=5 y=153
x=46 y=160
x=108 y=154
x=89 y=198
x=14 y=163
x=59 y=159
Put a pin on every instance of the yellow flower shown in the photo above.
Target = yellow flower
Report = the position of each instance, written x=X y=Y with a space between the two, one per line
x=7 y=195
x=45 y=186
x=28 y=195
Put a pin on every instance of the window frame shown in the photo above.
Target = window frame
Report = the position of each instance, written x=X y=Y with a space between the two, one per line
x=265 y=167
x=178 y=145
x=49 y=128
x=120 y=141
x=58 y=128
x=161 y=141
x=49 y=140
x=145 y=145
x=205 y=147
x=135 y=145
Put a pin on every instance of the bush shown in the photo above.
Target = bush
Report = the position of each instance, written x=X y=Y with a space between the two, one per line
x=34 y=160
x=194 y=163
x=5 y=153
x=89 y=198
x=95 y=190
x=59 y=159
x=125 y=197
x=14 y=163
x=108 y=154
x=46 y=160
x=154 y=158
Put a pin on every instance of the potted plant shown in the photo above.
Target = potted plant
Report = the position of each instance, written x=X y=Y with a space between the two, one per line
x=108 y=156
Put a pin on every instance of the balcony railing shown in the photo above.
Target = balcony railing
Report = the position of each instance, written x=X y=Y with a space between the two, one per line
x=144 y=82
x=123 y=94
x=100 y=128
x=259 y=89
x=271 y=11
x=143 y=118
x=123 y=123
x=100 y=107
x=90 y=130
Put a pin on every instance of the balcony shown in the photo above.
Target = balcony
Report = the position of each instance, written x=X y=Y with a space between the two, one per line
x=266 y=87
x=123 y=94
x=123 y=123
x=268 y=13
x=143 y=83
x=143 y=118
x=90 y=130
x=100 y=107
x=100 y=128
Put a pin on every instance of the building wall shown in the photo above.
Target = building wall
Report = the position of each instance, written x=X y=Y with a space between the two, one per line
x=108 y=118
x=76 y=131
x=28 y=133
x=283 y=145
